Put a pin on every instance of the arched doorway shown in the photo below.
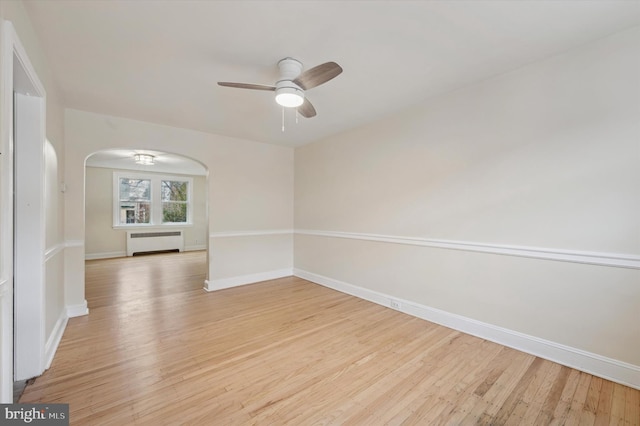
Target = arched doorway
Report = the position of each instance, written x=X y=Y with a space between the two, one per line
x=144 y=200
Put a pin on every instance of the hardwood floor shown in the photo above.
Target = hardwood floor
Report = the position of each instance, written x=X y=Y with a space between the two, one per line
x=156 y=349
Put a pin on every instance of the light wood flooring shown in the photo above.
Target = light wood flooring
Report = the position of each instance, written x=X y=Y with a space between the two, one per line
x=157 y=349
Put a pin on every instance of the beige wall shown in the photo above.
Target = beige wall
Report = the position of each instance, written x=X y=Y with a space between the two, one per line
x=102 y=241
x=250 y=189
x=543 y=157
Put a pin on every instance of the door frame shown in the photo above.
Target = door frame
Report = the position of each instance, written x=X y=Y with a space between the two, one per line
x=18 y=74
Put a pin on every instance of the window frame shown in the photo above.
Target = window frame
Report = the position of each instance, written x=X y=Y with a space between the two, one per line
x=187 y=202
x=156 y=220
x=118 y=202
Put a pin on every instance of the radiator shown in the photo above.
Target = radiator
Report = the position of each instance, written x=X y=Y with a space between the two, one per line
x=148 y=241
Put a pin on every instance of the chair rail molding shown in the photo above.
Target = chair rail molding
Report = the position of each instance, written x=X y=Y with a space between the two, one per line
x=575 y=256
x=53 y=251
x=250 y=233
x=73 y=243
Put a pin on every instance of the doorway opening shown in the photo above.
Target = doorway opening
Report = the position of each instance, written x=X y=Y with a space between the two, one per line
x=134 y=207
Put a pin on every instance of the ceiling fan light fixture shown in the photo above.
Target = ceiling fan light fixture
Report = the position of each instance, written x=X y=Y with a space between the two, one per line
x=144 y=159
x=291 y=88
x=289 y=97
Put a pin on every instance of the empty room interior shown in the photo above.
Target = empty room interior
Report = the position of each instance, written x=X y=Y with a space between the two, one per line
x=313 y=212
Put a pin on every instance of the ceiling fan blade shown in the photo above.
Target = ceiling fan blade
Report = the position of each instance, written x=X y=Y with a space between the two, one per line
x=318 y=75
x=247 y=86
x=306 y=109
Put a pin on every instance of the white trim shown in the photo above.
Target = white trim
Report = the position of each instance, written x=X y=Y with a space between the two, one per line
x=198 y=247
x=219 y=284
x=4 y=288
x=27 y=342
x=77 y=310
x=575 y=256
x=105 y=255
x=73 y=243
x=22 y=57
x=607 y=368
x=6 y=206
x=255 y=233
x=135 y=227
x=53 y=251
x=6 y=341
x=54 y=339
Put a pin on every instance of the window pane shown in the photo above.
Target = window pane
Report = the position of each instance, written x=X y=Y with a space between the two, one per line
x=140 y=203
x=135 y=212
x=174 y=190
x=135 y=189
x=174 y=212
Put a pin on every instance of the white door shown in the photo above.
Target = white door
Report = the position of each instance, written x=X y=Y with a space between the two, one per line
x=29 y=237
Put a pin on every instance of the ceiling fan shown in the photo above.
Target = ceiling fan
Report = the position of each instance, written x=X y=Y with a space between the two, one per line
x=290 y=88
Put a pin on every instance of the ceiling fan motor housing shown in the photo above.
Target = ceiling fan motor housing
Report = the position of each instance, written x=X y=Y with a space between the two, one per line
x=289 y=68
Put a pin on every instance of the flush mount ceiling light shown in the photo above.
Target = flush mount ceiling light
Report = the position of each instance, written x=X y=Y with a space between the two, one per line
x=144 y=159
x=288 y=95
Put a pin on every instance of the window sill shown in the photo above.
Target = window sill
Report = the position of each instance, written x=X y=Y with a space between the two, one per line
x=137 y=226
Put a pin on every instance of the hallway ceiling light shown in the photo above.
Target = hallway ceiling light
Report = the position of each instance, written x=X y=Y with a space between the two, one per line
x=144 y=159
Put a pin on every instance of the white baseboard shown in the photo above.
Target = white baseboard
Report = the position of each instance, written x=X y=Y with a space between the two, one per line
x=223 y=283
x=195 y=248
x=106 y=255
x=53 y=341
x=607 y=368
x=77 y=310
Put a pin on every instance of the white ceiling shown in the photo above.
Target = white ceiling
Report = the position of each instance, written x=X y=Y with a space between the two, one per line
x=159 y=61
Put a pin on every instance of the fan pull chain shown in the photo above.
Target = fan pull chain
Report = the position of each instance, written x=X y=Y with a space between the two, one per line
x=297 y=115
x=283 y=119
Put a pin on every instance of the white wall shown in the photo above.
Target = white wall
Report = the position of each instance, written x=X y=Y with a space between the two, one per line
x=540 y=164
x=103 y=241
x=250 y=190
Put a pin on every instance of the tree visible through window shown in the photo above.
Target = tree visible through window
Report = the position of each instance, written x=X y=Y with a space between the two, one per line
x=175 y=198
x=150 y=199
x=135 y=200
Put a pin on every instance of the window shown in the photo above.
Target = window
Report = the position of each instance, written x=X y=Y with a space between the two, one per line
x=151 y=200
x=174 y=201
x=135 y=200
